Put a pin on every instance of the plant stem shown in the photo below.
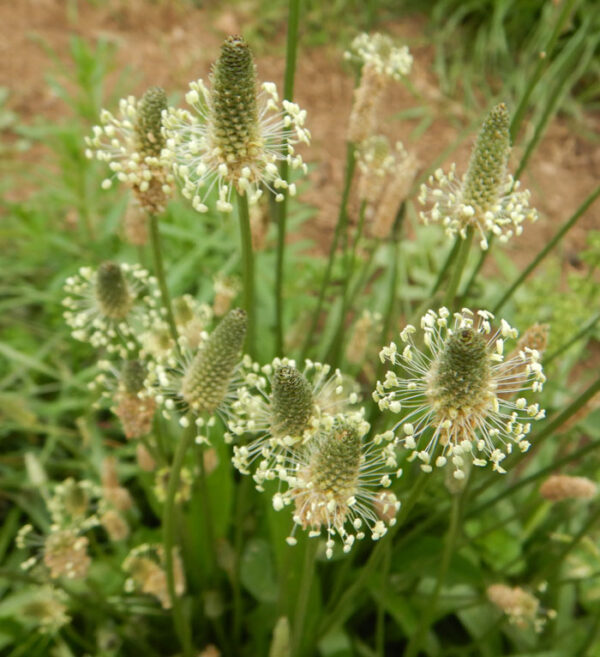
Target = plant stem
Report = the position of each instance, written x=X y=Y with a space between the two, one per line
x=580 y=334
x=247 y=268
x=519 y=114
x=415 y=643
x=181 y=626
x=243 y=490
x=380 y=626
x=288 y=92
x=335 y=348
x=208 y=523
x=551 y=244
x=159 y=270
x=539 y=69
x=342 y=222
x=310 y=551
x=553 y=568
x=351 y=593
x=461 y=261
x=537 y=439
x=447 y=264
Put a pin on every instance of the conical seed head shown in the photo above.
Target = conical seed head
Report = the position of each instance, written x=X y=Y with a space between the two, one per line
x=336 y=462
x=112 y=292
x=235 y=112
x=133 y=376
x=487 y=167
x=461 y=374
x=209 y=374
x=149 y=123
x=292 y=402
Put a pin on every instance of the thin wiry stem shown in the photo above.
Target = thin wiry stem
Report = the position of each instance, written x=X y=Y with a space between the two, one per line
x=569 y=343
x=459 y=265
x=247 y=268
x=290 y=70
x=542 y=63
x=334 y=351
x=337 y=615
x=415 y=643
x=243 y=491
x=181 y=626
x=304 y=594
x=340 y=227
x=581 y=210
x=159 y=270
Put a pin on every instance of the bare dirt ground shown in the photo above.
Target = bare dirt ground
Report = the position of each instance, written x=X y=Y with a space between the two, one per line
x=170 y=43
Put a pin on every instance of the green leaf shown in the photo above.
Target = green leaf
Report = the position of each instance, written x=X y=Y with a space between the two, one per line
x=257 y=571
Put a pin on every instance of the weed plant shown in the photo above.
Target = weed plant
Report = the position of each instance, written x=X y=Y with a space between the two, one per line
x=217 y=443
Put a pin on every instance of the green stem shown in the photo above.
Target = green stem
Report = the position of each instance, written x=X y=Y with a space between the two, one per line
x=243 y=491
x=546 y=250
x=414 y=644
x=181 y=626
x=335 y=348
x=288 y=92
x=461 y=261
x=519 y=114
x=536 y=440
x=340 y=227
x=386 y=329
x=450 y=258
x=159 y=270
x=482 y=258
x=206 y=506
x=380 y=626
x=552 y=570
x=247 y=267
x=539 y=69
x=580 y=334
x=350 y=595
x=308 y=568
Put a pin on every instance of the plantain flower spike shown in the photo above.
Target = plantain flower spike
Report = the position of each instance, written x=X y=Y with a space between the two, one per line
x=237 y=134
x=202 y=384
x=386 y=178
x=335 y=483
x=456 y=392
x=132 y=145
x=487 y=198
x=560 y=487
x=108 y=307
x=286 y=416
x=380 y=61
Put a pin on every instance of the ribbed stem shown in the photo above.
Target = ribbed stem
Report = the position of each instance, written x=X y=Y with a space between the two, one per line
x=461 y=261
x=335 y=349
x=308 y=568
x=181 y=627
x=352 y=591
x=247 y=268
x=288 y=93
x=546 y=250
x=569 y=343
x=243 y=490
x=565 y=12
x=159 y=270
x=340 y=227
x=414 y=644
x=520 y=113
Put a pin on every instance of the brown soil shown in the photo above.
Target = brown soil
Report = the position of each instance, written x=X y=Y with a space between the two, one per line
x=170 y=43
